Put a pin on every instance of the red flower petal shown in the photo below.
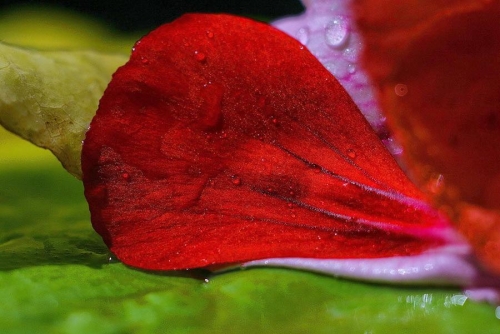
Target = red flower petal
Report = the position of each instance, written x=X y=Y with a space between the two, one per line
x=223 y=140
x=437 y=68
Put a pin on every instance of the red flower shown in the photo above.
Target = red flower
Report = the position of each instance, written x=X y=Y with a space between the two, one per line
x=223 y=141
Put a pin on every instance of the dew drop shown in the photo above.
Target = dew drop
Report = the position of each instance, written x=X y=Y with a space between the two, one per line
x=351 y=154
x=236 y=181
x=336 y=32
x=210 y=34
x=303 y=35
x=401 y=89
x=351 y=68
x=351 y=53
x=293 y=215
x=339 y=68
x=144 y=60
x=316 y=169
x=200 y=56
x=112 y=259
x=126 y=176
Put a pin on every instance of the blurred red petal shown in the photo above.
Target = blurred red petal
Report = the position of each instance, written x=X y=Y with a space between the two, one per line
x=222 y=140
x=437 y=66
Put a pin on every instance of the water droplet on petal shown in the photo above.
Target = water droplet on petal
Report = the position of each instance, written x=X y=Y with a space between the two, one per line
x=210 y=34
x=351 y=68
x=401 y=89
x=144 y=60
x=303 y=35
x=236 y=181
x=316 y=169
x=351 y=154
x=336 y=32
x=351 y=53
x=200 y=56
x=338 y=68
x=126 y=176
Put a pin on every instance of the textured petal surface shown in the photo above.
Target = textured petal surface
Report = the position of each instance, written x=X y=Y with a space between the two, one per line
x=436 y=66
x=204 y=154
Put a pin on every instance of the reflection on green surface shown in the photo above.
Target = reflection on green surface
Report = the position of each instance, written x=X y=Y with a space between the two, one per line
x=55 y=278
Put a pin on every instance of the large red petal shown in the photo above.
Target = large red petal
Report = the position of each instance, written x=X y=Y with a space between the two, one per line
x=224 y=140
x=437 y=68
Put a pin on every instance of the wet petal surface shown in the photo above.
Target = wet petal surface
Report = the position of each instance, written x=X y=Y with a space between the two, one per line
x=204 y=154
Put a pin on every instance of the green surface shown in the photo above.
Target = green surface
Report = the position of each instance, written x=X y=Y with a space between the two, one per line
x=55 y=277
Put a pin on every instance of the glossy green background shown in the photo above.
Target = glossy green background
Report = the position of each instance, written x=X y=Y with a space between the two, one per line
x=56 y=277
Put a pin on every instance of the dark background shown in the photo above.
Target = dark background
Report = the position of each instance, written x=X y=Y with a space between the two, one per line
x=146 y=15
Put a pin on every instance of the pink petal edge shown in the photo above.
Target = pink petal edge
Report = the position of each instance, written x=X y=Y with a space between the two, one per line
x=452 y=266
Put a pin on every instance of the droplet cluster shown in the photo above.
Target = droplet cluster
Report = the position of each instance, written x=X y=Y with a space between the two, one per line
x=328 y=30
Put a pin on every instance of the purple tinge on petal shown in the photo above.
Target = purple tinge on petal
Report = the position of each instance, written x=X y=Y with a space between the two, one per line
x=451 y=265
x=327 y=29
